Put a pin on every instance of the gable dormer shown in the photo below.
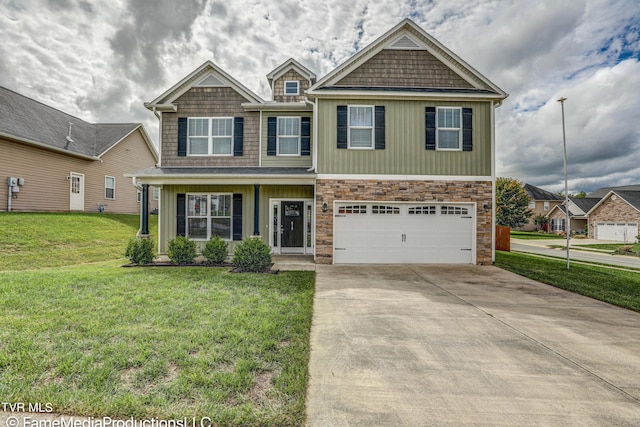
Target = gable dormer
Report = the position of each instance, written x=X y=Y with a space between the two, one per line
x=289 y=81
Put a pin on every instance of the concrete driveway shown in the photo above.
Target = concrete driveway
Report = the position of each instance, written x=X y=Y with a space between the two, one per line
x=454 y=345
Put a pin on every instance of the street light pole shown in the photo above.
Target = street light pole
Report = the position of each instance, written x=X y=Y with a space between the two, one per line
x=566 y=185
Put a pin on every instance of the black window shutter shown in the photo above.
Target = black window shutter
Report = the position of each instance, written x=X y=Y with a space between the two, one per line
x=430 y=120
x=343 y=127
x=237 y=217
x=379 y=136
x=467 y=129
x=238 y=135
x=305 y=136
x=272 y=129
x=182 y=136
x=181 y=217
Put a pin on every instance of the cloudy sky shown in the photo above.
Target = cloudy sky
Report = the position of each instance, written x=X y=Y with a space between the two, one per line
x=101 y=59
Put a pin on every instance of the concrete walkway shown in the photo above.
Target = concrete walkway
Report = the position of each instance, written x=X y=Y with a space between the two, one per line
x=466 y=345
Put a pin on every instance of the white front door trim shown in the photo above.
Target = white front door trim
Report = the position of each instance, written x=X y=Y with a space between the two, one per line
x=76 y=191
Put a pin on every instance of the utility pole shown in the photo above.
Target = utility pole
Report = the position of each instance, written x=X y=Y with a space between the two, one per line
x=567 y=226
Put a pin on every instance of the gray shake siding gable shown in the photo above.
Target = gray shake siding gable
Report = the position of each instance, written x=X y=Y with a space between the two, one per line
x=210 y=102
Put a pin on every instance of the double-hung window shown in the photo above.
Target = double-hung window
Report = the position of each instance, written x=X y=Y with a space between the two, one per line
x=361 y=126
x=449 y=134
x=210 y=136
x=288 y=136
x=557 y=224
x=209 y=215
x=109 y=187
x=291 y=88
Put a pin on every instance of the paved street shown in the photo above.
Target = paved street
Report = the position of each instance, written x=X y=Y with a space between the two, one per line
x=542 y=247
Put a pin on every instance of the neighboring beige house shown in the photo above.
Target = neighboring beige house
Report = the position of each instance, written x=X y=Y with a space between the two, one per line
x=541 y=202
x=62 y=163
x=611 y=213
x=389 y=158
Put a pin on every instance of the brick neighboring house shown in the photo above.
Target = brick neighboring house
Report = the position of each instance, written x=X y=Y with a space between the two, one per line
x=387 y=158
x=540 y=203
x=611 y=213
x=62 y=163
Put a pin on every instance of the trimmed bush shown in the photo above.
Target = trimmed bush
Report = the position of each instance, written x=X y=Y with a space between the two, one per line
x=215 y=251
x=140 y=251
x=252 y=255
x=182 y=250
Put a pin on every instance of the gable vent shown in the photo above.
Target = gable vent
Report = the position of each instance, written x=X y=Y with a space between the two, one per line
x=210 y=80
x=404 y=42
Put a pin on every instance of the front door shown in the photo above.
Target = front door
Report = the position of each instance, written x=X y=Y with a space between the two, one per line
x=76 y=191
x=292 y=227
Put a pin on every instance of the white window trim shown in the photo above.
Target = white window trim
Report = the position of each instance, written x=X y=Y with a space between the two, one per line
x=156 y=193
x=546 y=206
x=288 y=136
x=208 y=217
x=297 y=83
x=532 y=205
x=139 y=196
x=372 y=127
x=106 y=177
x=438 y=129
x=210 y=138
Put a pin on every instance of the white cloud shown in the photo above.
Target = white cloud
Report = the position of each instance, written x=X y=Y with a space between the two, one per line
x=102 y=60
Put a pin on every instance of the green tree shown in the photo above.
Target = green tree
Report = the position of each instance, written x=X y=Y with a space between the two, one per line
x=512 y=203
x=580 y=195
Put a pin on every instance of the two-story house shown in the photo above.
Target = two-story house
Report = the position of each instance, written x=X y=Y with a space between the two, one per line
x=389 y=158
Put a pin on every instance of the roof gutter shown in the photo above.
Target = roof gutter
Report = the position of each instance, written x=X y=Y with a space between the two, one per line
x=49 y=147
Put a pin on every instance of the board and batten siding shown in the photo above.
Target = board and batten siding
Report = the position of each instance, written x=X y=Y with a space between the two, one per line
x=404 y=152
x=168 y=208
x=284 y=161
x=45 y=173
x=210 y=102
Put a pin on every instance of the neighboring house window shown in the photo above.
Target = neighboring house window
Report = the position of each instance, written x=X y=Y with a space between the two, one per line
x=291 y=88
x=109 y=187
x=139 y=196
x=546 y=206
x=449 y=132
x=288 y=136
x=156 y=193
x=360 y=126
x=557 y=224
x=532 y=205
x=209 y=215
x=210 y=136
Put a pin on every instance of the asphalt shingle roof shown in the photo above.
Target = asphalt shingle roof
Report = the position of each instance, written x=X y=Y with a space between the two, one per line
x=25 y=118
x=536 y=193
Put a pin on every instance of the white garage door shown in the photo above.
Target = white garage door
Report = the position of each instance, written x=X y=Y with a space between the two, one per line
x=618 y=231
x=392 y=233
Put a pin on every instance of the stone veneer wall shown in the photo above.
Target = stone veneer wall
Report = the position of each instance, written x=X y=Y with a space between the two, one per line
x=327 y=191
x=612 y=211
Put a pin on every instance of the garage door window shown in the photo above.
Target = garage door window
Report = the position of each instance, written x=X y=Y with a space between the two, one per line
x=385 y=210
x=353 y=209
x=453 y=210
x=422 y=210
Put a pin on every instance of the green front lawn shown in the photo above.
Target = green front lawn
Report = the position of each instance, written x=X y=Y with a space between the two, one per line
x=533 y=235
x=102 y=340
x=36 y=240
x=611 y=285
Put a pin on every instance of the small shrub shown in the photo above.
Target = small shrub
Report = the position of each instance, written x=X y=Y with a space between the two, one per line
x=182 y=250
x=625 y=250
x=215 y=251
x=252 y=255
x=140 y=251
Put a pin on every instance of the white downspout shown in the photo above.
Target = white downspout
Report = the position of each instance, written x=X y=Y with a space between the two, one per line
x=493 y=182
